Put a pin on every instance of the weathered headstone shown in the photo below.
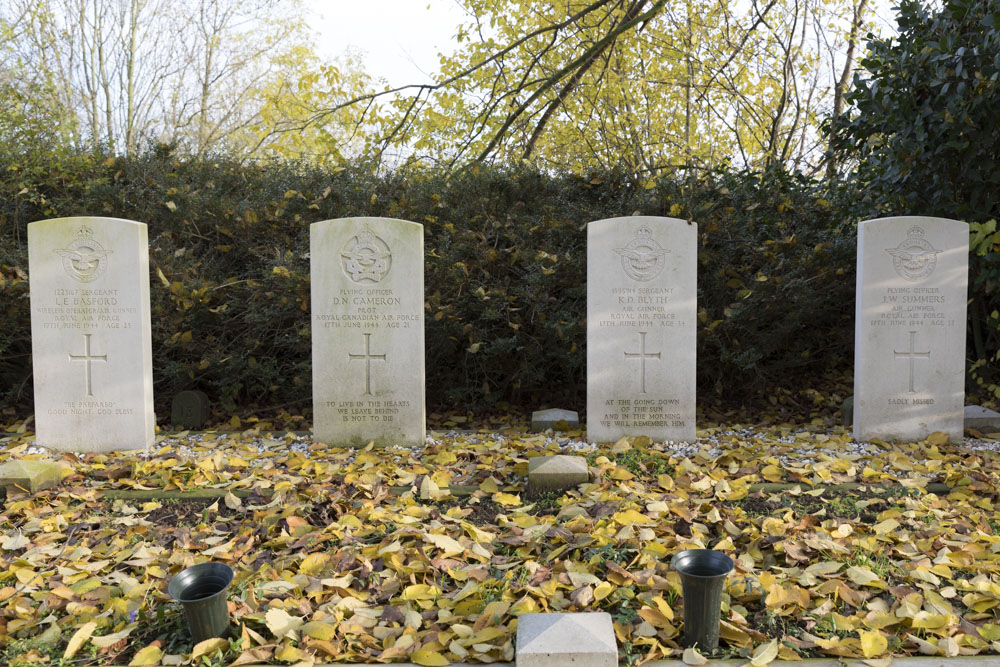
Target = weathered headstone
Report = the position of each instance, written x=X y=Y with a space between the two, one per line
x=641 y=317
x=90 y=334
x=554 y=418
x=368 y=331
x=556 y=473
x=583 y=639
x=190 y=409
x=909 y=342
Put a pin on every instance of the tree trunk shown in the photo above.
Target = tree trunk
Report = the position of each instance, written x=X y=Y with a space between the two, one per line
x=840 y=89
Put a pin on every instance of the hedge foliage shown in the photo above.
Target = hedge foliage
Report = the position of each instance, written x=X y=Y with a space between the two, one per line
x=505 y=275
x=924 y=132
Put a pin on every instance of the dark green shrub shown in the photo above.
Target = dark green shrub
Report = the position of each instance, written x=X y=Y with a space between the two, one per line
x=923 y=130
x=504 y=281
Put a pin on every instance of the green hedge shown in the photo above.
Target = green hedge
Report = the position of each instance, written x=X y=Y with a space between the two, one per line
x=504 y=282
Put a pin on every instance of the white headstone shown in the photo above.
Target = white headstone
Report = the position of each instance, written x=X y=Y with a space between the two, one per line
x=641 y=328
x=368 y=331
x=90 y=334
x=909 y=337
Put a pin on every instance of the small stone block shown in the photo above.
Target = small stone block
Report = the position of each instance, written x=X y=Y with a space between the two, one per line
x=190 y=409
x=982 y=419
x=585 y=639
x=556 y=473
x=847 y=411
x=554 y=418
x=30 y=475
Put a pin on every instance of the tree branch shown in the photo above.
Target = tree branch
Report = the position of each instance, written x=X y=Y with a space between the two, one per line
x=597 y=48
x=574 y=81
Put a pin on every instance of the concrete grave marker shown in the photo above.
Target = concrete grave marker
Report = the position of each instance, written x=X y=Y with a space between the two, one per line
x=368 y=331
x=581 y=639
x=982 y=419
x=909 y=342
x=190 y=409
x=90 y=334
x=641 y=317
x=556 y=472
x=30 y=475
x=554 y=418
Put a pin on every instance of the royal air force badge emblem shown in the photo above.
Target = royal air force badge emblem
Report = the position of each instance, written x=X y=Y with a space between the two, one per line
x=84 y=260
x=642 y=258
x=366 y=258
x=915 y=257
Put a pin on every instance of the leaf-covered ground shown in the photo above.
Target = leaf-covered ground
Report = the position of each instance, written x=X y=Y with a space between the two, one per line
x=429 y=555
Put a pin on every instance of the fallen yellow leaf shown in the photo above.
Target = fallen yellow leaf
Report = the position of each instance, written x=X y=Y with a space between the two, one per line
x=314 y=563
x=507 y=500
x=692 y=657
x=873 y=643
x=429 y=658
x=765 y=653
x=148 y=656
x=319 y=630
x=281 y=623
x=288 y=653
x=78 y=639
x=209 y=647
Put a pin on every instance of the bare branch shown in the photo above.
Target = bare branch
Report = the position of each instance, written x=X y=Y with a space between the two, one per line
x=586 y=58
x=574 y=80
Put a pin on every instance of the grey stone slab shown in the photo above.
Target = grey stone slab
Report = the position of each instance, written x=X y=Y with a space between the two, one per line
x=30 y=475
x=556 y=473
x=554 y=418
x=585 y=639
x=641 y=327
x=909 y=346
x=982 y=419
x=90 y=334
x=368 y=331
x=190 y=409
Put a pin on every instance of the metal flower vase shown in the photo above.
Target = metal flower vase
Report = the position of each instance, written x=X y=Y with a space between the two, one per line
x=201 y=590
x=703 y=576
